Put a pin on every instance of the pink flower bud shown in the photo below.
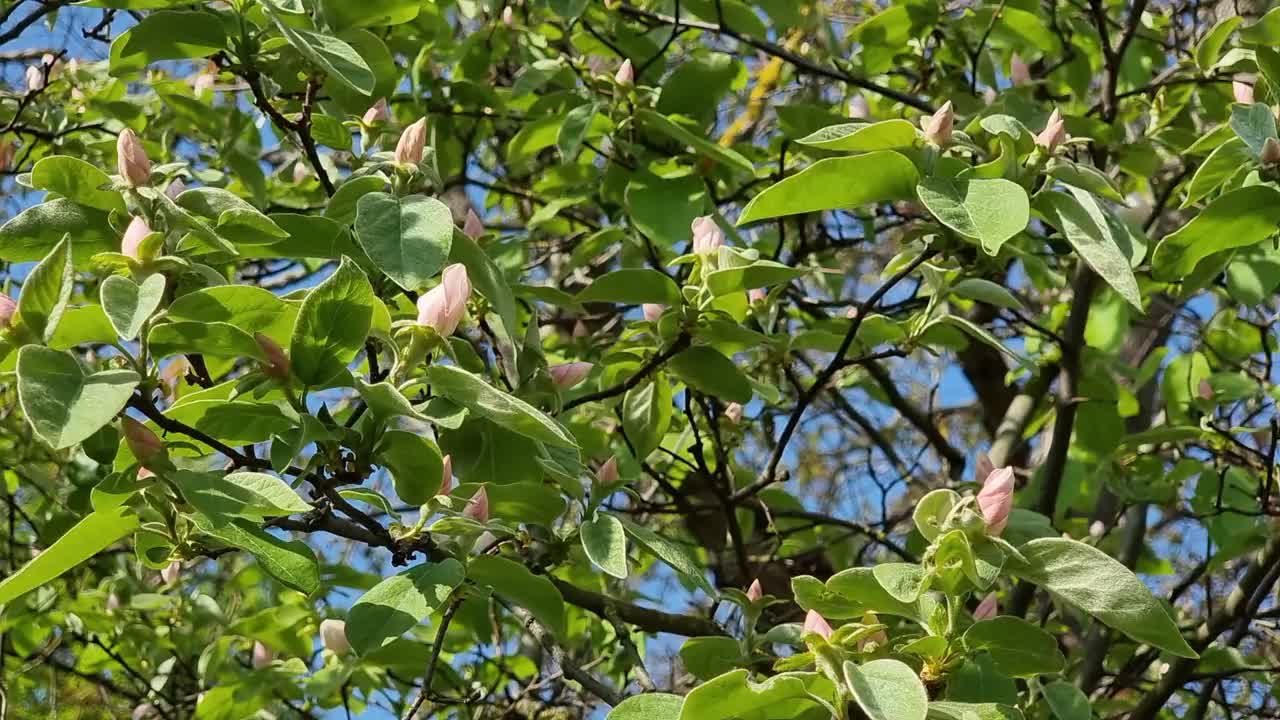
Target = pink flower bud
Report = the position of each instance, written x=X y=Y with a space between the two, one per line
x=113 y=602
x=472 y=227
x=137 y=232
x=626 y=73
x=176 y=187
x=878 y=638
x=7 y=310
x=145 y=474
x=608 y=472
x=983 y=467
x=859 y=109
x=815 y=623
x=733 y=412
x=1097 y=529
x=995 y=500
x=652 y=311
x=277 y=365
x=508 y=16
x=171 y=572
x=939 y=127
x=35 y=78
x=755 y=592
x=1205 y=389
x=580 y=329
x=986 y=609
x=707 y=236
x=131 y=159
x=203 y=83
x=378 y=112
x=477 y=508
x=757 y=295
x=1054 y=133
x=145 y=445
x=262 y=656
x=1242 y=91
x=567 y=375
x=443 y=306
x=1270 y=154
x=446 y=477
x=333 y=636
x=301 y=172
x=412 y=141
x=1019 y=73
x=7 y=149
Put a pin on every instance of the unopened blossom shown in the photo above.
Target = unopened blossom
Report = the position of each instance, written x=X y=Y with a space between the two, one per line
x=1205 y=390
x=442 y=307
x=877 y=638
x=626 y=73
x=755 y=592
x=143 y=443
x=608 y=472
x=446 y=476
x=1054 y=133
x=859 y=109
x=378 y=112
x=995 y=500
x=175 y=188
x=1242 y=92
x=300 y=172
x=707 y=236
x=277 y=362
x=131 y=159
x=472 y=227
x=171 y=572
x=145 y=711
x=986 y=609
x=113 y=602
x=333 y=636
x=1019 y=73
x=939 y=127
x=1270 y=154
x=815 y=623
x=7 y=150
x=35 y=78
x=203 y=83
x=733 y=411
x=262 y=656
x=477 y=507
x=567 y=375
x=412 y=142
x=1097 y=529
x=757 y=295
x=8 y=308
x=652 y=311
x=134 y=235
x=508 y=16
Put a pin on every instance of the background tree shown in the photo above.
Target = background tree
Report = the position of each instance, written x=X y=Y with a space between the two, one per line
x=692 y=359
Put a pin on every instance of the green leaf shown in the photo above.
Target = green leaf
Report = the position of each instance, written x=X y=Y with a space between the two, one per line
x=247 y=495
x=332 y=325
x=32 y=233
x=991 y=211
x=483 y=399
x=648 y=706
x=1018 y=648
x=859 y=587
x=733 y=695
x=664 y=208
x=707 y=657
x=486 y=277
x=701 y=145
x=528 y=502
x=96 y=532
x=904 y=581
x=1210 y=47
x=46 y=291
x=1067 y=701
x=883 y=175
x=414 y=462
x=76 y=180
x=63 y=402
x=212 y=339
x=129 y=305
x=646 y=415
x=947 y=710
x=369 y=13
x=344 y=204
x=515 y=583
x=706 y=370
x=1254 y=124
x=887 y=690
x=398 y=603
x=759 y=274
x=407 y=238
x=670 y=552
x=987 y=292
x=331 y=55
x=167 y=35
x=574 y=130
x=932 y=511
x=605 y=543
x=1236 y=219
x=1095 y=235
x=1223 y=163
x=864 y=137
x=250 y=309
x=632 y=286
x=83 y=325
x=290 y=561
x=1096 y=583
